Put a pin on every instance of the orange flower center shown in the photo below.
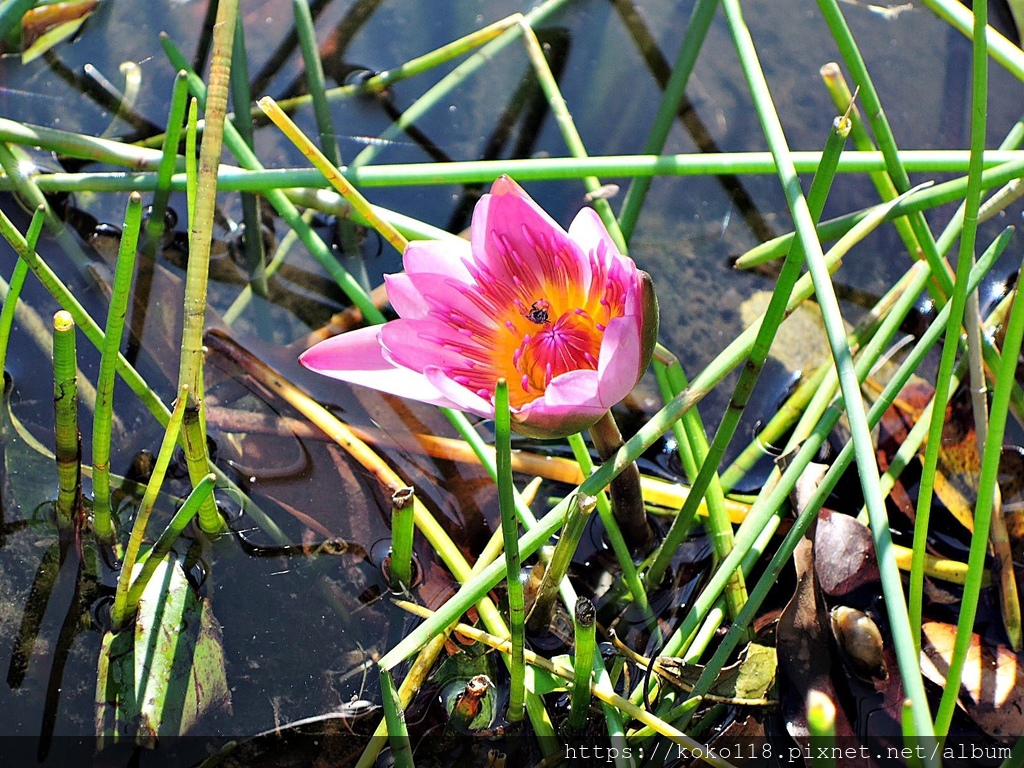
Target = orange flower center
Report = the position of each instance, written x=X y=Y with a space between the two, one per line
x=570 y=343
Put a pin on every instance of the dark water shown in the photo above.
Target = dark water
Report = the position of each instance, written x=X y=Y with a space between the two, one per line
x=301 y=632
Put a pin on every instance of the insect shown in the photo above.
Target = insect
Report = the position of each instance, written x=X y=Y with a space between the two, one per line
x=538 y=312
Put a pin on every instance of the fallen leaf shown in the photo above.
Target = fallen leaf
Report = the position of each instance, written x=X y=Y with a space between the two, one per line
x=992 y=682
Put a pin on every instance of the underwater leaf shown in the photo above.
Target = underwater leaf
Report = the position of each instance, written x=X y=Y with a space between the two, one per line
x=160 y=677
x=46 y=25
x=992 y=682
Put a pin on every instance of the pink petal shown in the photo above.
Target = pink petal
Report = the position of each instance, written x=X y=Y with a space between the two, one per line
x=445 y=293
x=514 y=238
x=357 y=357
x=438 y=257
x=405 y=299
x=619 y=363
x=569 y=405
x=463 y=399
x=420 y=344
x=589 y=232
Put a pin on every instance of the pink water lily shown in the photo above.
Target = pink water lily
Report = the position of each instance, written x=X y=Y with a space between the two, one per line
x=565 y=318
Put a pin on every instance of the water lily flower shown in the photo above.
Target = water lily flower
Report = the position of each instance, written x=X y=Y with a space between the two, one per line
x=567 y=320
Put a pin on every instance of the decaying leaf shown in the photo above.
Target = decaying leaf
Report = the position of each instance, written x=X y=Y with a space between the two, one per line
x=844 y=560
x=748 y=681
x=46 y=25
x=992 y=683
x=160 y=677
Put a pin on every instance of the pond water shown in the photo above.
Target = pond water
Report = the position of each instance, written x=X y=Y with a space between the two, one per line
x=301 y=630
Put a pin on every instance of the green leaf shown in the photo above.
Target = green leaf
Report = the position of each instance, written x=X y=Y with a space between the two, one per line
x=161 y=676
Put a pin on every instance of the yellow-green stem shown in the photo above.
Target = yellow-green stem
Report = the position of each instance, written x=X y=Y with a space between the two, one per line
x=65 y=403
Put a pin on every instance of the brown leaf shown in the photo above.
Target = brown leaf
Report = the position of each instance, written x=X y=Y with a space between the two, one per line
x=992 y=682
x=844 y=556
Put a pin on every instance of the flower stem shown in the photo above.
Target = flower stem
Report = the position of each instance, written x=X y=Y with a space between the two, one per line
x=510 y=531
x=627 y=498
x=108 y=363
x=68 y=444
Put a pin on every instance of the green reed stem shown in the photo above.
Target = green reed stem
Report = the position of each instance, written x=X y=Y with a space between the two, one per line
x=721 y=531
x=777 y=496
x=331 y=173
x=892 y=588
x=909 y=737
x=585 y=615
x=394 y=716
x=821 y=722
x=119 y=613
x=315 y=79
x=611 y=527
x=566 y=126
x=108 y=364
x=960 y=18
x=510 y=531
x=568 y=540
x=402 y=529
x=191 y=162
x=982 y=515
x=252 y=240
x=653 y=430
x=165 y=542
x=675 y=91
x=1001 y=167
x=449 y=82
x=190 y=371
x=10 y=302
x=280 y=202
x=68 y=440
x=155 y=224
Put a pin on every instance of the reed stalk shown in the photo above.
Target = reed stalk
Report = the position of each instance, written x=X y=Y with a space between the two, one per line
x=122 y=610
x=68 y=440
x=315 y=80
x=510 y=532
x=112 y=333
x=585 y=644
x=165 y=542
x=675 y=91
x=394 y=716
x=821 y=722
x=11 y=299
x=402 y=526
x=986 y=503
x=190 y=372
